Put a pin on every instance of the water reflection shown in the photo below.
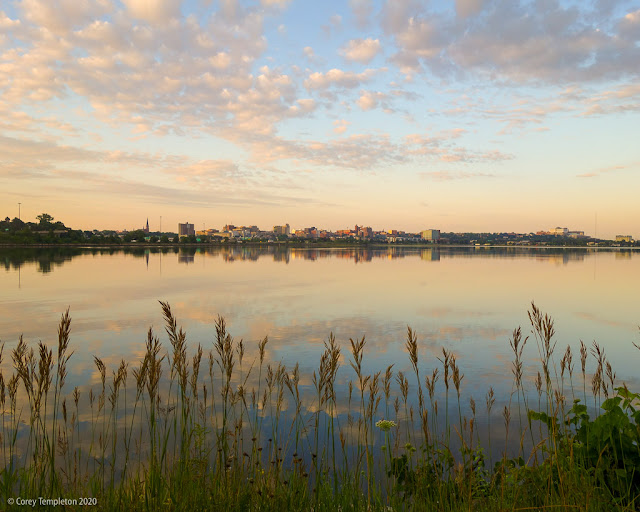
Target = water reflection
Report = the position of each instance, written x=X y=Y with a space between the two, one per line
x=468 y=298
x=465 y=300
x=47 y=259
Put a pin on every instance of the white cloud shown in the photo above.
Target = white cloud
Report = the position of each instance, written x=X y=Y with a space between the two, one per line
x=63 y=15
x=537 y=41
x=369 y=100
x=338 y=78
x=361 y=50
x=153 y=11
x=275 y=3
x=340 y=126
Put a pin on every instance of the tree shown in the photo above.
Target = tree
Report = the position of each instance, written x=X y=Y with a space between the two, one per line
x=17 y=225
x=45 y=219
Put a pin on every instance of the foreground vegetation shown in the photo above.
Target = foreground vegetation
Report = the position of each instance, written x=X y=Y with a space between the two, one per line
x=228 y=430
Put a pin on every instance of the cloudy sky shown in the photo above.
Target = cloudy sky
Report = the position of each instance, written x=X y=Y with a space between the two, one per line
x=465 y=115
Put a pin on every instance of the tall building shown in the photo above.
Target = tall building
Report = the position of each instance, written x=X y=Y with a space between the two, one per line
x=146 y=228
x=282 y=230
x=186 y=229
x=365 y=232
x=430 y=234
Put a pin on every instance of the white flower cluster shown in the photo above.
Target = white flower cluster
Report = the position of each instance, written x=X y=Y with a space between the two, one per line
x=385 y=425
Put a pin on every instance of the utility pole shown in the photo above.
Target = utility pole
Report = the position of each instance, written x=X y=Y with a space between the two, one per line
x=160 y=224
x=19 y=210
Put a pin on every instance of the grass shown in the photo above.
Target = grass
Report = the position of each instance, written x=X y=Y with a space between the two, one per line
x=223 y=430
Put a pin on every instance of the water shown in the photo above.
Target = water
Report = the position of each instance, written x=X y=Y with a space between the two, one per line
x=465 y=300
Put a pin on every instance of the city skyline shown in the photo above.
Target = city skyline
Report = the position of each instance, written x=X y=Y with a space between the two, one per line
x=466 y=115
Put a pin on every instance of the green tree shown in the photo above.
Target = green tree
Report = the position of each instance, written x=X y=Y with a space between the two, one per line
x=45 y=219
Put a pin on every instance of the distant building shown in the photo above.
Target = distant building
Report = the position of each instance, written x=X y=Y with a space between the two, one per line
x=186 y=229
x=282 y=230
x=559 y=231
x=365 y=232
x=624 y=238
x=207 y=232
x=430 y=234
x=146 y=228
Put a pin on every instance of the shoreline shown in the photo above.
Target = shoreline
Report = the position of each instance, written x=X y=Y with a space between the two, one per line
x=309 y=245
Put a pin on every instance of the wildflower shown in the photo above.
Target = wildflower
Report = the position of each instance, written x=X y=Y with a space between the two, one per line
x=385 y=425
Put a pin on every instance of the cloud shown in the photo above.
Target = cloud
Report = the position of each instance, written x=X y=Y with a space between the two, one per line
x=630 y=26
x=153 y=11
x=361 y=50
x=504 y=40
x=169 y=71
x=369 y=100
x=334 y=25
x=28 y=158
x=609 y=169
x=204 y=171
x=340 y=126
x=49 y=164
x=360 y=152
x=275 y=3
x=143 y=69
x=466 y=8
x=442 y=147
x=454 y=175
x=85 y=182
x=362 y=10
x=338 y=78
x=305 y=105
x=63 y=15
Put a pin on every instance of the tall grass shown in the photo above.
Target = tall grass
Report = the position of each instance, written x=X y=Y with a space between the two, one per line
x=165 y=434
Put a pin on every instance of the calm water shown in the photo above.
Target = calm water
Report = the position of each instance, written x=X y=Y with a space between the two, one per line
x=466 y=300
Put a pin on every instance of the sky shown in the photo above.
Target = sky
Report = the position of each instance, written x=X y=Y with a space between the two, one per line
x=465 y=115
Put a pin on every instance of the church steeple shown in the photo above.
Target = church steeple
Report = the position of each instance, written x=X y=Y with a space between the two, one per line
x=146 y=229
